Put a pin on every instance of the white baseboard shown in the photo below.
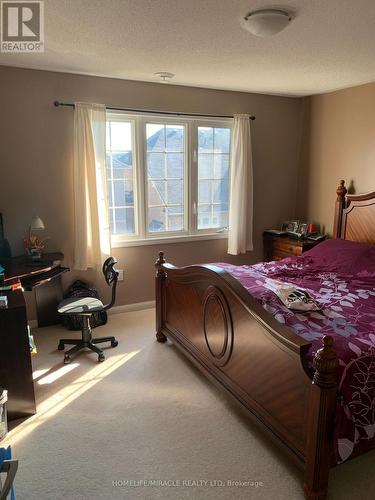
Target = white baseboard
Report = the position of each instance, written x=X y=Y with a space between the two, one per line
x=138 y=306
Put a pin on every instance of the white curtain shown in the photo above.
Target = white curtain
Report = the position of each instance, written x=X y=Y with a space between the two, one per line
x=91 y=214
x=240 y=238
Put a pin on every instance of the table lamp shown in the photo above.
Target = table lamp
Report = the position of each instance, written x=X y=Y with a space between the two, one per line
x=36 y=224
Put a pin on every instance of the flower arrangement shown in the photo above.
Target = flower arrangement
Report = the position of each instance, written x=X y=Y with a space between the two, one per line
x=34 y=246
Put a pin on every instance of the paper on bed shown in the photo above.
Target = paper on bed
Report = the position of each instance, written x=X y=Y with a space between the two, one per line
x=292 y=296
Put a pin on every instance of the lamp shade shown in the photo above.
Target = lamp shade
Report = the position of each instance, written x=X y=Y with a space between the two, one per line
x=36 y=223
x=266 y=22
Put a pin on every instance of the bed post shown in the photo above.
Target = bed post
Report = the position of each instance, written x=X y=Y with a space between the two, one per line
x=322 y=405
x=160 y=296
x=339 y=207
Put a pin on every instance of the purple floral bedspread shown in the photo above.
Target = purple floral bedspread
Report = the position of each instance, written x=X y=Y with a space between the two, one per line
x=347 y=313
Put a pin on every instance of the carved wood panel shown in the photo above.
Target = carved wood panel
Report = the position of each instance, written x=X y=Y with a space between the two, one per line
x=217 y=326
x=359 y=221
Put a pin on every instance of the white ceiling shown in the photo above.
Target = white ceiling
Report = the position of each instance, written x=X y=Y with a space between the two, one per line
x=329 y=45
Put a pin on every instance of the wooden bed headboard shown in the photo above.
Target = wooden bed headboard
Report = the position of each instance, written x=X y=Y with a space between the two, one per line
x=354 y=216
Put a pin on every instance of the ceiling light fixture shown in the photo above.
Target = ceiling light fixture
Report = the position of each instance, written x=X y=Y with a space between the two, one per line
x=165 y=76
x=266 y=22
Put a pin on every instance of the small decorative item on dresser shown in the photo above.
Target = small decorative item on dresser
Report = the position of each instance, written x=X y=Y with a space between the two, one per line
x=303 y=229
x=33 y=245
x=290 y=226
x=279 y=247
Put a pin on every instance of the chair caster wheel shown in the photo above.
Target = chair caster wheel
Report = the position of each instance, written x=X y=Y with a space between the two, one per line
x=101 y=357
x=67 y=360
x=60 y=347
x=114 y=343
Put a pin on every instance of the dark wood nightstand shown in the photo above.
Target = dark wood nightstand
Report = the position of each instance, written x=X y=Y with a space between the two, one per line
x=279 y=247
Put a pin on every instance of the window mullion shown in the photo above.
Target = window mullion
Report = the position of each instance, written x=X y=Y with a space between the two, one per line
x=192 y=179
x=141 y=176
x=166 y=218
x=213 y=185
x=112 y=180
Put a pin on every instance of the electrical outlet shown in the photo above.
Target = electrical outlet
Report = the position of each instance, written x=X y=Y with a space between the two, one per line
x=120 y=274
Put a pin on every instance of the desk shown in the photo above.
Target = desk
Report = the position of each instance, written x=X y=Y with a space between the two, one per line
x=16 y=373
x=33 y=276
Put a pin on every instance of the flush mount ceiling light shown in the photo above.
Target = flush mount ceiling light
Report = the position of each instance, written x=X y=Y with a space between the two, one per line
x=266 y=22
x=165 y=76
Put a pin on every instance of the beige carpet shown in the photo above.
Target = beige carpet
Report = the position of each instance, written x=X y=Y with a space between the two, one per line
x=147 y=414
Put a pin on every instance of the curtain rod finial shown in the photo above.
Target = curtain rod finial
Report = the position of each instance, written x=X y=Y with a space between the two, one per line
x=56 y=103
x=252 y=118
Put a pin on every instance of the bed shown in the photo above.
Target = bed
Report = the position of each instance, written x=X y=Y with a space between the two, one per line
x=307 y=378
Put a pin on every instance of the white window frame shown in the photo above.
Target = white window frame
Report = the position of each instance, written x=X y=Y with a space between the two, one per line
x=185 y=230
x=117 y=116
x=139 y=155
x=217 y=123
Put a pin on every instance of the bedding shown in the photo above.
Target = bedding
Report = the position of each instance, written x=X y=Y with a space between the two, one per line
x=340 y=277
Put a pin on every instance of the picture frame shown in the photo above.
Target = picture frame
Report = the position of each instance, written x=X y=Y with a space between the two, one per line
x=303 y=228
x=290 y=226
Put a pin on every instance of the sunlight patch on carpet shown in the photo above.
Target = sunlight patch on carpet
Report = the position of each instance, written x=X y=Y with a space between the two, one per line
x=54 y=404
x=52 y=377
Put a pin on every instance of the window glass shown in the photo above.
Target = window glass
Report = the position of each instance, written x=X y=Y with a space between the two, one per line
x=120 y=177
x=213 y=177
x=165 y=177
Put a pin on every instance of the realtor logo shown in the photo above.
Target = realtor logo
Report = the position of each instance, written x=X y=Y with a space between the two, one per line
x=22 y=26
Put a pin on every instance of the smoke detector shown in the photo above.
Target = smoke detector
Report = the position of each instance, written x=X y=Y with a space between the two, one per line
x=165 y=76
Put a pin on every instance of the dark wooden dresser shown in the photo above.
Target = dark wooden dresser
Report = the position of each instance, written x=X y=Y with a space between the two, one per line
x=279 y=247
x=16 y=374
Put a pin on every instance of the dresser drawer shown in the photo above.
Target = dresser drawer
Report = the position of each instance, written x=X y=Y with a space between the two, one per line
x=277 y=248
x=286 y=247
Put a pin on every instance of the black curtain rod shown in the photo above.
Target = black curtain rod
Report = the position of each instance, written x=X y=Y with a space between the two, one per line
x=153 y=112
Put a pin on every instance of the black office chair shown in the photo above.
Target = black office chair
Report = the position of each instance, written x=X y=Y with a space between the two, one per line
x=84 y=307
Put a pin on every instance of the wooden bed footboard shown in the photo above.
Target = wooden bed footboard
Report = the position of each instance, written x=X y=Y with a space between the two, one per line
x=240 y=346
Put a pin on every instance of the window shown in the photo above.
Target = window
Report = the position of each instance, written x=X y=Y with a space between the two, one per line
x=166 y=177
x=120 y=176
x=213 y=177
x=165 y=145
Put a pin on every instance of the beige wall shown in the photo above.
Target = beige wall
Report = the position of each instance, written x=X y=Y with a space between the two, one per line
x=36 y=161
x=339 y=143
